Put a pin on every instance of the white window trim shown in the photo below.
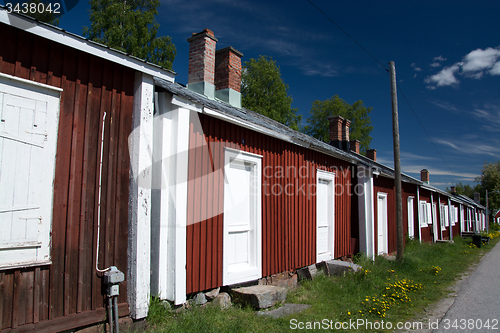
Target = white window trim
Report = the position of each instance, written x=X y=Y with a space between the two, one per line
x=423 y=215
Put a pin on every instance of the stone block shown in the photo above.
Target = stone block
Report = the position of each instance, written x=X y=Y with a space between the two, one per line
x=336 y=267
x=223 y=301
x=212 y=294
x=307 y=273
x=260 y=297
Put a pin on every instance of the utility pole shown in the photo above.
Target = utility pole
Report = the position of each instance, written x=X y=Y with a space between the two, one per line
x=397 y=163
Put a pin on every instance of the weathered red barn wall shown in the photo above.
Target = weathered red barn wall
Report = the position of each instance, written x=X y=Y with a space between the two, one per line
x=288 y=221
x=67 y=293
x=427 y=233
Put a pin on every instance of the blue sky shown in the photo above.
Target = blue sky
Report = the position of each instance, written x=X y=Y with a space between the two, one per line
x=447 y=56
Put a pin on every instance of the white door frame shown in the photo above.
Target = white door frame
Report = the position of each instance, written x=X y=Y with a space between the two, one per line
x=329 y=179
x=252 y=270
x=382 y=220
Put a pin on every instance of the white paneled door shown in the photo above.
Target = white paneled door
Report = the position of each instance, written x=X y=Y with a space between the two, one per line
x=242 y=217
x=325 y=216
x=382 y=223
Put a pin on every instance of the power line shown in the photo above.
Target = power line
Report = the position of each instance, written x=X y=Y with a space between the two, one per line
x=355 y=41
x=387 y=70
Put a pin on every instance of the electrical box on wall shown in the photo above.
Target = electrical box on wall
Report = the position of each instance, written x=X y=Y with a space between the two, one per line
x=112 y=280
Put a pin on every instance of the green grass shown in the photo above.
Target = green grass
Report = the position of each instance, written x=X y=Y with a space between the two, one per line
x=398 y=291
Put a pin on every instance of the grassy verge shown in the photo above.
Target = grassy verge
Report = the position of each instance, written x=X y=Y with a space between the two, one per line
x=384 y=290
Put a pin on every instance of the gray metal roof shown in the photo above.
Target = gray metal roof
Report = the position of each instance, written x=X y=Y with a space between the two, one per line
x=265 y=122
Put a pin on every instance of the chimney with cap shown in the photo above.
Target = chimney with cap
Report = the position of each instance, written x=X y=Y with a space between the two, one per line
x=228 y=76
x=372 y=154
x=355 y=146
x=339 y=132
x=424 y=176
x=202 y=63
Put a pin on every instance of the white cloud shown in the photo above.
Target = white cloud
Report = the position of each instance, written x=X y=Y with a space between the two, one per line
x=439 y=58
x=417 y=69
x=435 y=64
x=474 y=65
x=444 y=78
x=495 y=70
x=479 y=60
x=445 y=105
x=469 y=147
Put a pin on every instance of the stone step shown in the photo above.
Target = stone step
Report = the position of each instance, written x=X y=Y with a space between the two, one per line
x=260 y=296
x=285 y=310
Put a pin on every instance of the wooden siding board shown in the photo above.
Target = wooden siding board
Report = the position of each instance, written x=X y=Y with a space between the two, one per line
x=40 y=60
x=8 y=39
x=86 y=246
x=61 y=185
x=6 y=298
x=23 y=56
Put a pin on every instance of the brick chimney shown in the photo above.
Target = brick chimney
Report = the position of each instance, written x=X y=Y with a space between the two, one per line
x=453 y=190
x=424 y=176
x=228 y=76
x=372 y=154
x=477 y=198
x=339 y=132
x=202 y=63
x=355 y=146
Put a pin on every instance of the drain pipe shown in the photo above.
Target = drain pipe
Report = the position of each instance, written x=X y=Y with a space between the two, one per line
x=110 y=315
x=112 y=280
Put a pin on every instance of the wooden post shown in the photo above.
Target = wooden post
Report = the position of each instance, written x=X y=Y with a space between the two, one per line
x=397 y=162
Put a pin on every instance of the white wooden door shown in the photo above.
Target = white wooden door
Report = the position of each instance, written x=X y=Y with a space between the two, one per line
x=325 y=231
x=382 y=223
x=28 y=134
x=411 y=220
x=242 y=217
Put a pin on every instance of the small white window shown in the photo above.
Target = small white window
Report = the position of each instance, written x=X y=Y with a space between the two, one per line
x=423 y=214
x=28 y=137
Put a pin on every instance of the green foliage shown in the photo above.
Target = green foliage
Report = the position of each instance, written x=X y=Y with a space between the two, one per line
x=44 y=16
x=318 y=125
x=393 y=290
x=490 y=180
x=466 y=190
x=263 y=91
x=130 y=26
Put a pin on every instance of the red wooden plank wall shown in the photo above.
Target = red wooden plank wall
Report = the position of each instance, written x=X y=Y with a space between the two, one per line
x=427 y=232
x=91 y=86
x=288 y=221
